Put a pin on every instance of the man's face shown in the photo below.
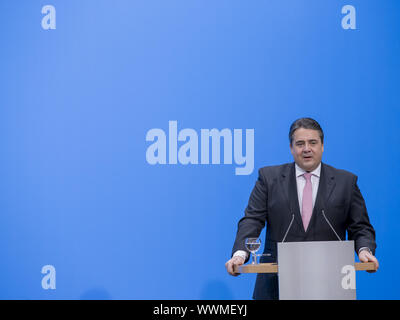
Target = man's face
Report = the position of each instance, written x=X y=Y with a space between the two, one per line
x=307 y=148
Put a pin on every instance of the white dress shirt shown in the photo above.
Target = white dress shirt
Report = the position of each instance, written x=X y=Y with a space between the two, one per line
x=301 y=182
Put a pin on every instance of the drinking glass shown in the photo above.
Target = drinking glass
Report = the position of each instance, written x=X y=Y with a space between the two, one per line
x=253 y=245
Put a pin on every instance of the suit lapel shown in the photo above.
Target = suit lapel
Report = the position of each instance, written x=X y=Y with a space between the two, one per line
x=329 y=181
x=289 y=185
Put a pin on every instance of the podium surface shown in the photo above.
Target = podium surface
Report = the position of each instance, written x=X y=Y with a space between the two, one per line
x=273 y=267
x=313 y=270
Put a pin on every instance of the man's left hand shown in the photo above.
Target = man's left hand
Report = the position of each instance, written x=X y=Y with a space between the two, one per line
x=366 y=256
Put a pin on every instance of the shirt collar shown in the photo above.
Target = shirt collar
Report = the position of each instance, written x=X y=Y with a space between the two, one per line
x=316 y=172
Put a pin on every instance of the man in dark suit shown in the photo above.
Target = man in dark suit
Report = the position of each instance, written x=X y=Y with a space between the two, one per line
x=310 y=195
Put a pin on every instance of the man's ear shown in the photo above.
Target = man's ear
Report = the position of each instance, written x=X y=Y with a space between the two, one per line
x=291 y=149
x=322 y=147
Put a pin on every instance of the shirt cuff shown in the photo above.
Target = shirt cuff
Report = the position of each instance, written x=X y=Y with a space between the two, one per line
x=364 y=248
x=241 y=253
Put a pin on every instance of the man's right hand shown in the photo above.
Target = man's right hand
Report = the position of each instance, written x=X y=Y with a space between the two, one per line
x=235 y=261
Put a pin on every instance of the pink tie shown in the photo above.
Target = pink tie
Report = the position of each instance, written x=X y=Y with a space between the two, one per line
x=307 y=201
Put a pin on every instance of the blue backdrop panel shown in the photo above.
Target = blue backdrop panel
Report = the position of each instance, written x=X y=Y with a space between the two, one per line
x=76 y=104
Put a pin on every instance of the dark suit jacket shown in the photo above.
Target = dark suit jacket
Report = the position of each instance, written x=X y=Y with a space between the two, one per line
x=273 y=201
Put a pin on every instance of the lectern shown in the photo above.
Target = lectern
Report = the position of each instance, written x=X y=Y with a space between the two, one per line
x=313 y=270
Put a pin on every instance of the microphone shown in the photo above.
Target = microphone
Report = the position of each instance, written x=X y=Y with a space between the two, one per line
x=323 y=213
x=287 y=231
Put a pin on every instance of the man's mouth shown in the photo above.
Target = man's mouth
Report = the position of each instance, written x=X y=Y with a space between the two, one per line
x=307 y=157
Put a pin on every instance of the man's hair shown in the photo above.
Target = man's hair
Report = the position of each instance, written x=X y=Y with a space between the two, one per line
x=306 y=123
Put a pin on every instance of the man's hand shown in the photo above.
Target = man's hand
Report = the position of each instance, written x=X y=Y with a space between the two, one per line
x=366 y=256
x=235 y=261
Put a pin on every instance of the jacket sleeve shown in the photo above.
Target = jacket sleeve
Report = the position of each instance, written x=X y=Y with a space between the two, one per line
x=255 y=214
x=359 y=227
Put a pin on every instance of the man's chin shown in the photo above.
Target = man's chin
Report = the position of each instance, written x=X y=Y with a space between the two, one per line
x=309 y=166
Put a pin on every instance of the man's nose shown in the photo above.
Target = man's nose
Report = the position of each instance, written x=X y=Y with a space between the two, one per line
x=307 y=147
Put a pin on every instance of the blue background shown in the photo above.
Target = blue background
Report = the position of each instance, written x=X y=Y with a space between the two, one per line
x=76 y=103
